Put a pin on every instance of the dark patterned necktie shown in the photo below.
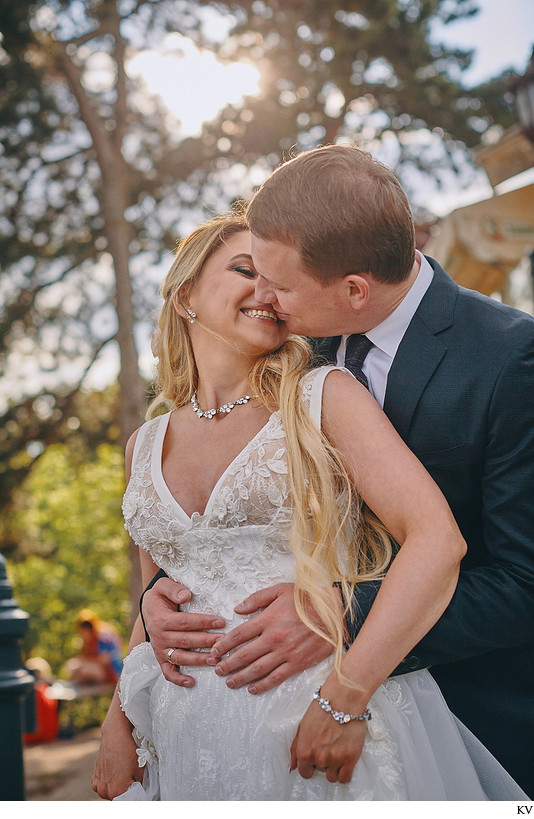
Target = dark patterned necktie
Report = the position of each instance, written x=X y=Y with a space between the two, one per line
x=357 y=348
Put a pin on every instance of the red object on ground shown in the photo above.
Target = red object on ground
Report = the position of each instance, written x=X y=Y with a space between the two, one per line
x=46 y=717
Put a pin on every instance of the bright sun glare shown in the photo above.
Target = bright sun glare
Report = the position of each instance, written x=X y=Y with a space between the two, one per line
x=193 y=84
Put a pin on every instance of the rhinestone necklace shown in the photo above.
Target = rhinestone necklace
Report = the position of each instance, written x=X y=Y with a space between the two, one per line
x=225 y=407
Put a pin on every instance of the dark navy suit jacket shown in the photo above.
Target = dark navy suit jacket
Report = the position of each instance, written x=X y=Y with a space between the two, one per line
x=460 y=393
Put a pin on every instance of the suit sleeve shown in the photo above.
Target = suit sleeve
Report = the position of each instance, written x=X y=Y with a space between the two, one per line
x=156 y=577
x=493 y=605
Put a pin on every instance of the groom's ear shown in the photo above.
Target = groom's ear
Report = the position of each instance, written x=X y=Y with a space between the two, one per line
x=357 y=290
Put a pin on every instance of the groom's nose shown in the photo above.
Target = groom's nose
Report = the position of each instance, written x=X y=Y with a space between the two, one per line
x=264 y=292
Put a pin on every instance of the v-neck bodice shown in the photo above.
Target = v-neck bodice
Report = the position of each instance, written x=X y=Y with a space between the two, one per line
x=261 y=464
x=158 y=479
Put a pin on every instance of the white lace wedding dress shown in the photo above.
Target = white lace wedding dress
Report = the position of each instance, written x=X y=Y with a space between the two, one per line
x=211 y=743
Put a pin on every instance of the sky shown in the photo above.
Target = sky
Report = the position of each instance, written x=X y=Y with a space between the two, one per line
x=195 y=85
x=502 y=34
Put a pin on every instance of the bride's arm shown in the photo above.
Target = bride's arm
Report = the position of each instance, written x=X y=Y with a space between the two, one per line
x=418 y=585
x=116 y=765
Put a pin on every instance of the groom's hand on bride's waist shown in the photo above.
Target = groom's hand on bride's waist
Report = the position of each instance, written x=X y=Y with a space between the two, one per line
x=268 y=649
x=179 y=630
x=271 y=647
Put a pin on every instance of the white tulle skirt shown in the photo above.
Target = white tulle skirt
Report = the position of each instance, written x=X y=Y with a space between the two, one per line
x=211 y=743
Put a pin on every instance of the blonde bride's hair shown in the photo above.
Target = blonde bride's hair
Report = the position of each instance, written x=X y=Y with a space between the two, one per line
x=317 y=476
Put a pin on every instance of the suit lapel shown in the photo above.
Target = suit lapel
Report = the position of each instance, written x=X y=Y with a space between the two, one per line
x=407 y=382
x=420 y=350
x=419 y=353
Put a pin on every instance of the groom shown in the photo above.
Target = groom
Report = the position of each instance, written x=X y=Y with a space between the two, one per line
x=454 y=372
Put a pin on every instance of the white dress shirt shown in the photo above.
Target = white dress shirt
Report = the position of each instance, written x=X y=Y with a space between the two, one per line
x=387 y=335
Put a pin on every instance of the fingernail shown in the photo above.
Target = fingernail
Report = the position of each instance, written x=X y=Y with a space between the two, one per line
x=188 y=683
x=219 y=671
x=182 y=597
x=217 y=623
x=230 y=684
x=211 y=661
x=252 y=689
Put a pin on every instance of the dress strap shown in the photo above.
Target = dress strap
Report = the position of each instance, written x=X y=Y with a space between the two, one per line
x=312 y=390
x=141 y=435
x=141 y=432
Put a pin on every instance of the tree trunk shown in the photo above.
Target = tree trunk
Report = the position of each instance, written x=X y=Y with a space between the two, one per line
x=114 y=198
x=132 y=387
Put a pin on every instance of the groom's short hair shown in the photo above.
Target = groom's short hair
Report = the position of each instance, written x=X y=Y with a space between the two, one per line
x=343 y=211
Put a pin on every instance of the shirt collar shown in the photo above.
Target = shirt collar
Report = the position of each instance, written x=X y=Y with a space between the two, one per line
x=389 y=333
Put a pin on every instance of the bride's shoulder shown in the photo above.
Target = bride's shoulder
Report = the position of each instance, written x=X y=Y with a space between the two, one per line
x=329 y=374
x=342 y=393
x=328 y=383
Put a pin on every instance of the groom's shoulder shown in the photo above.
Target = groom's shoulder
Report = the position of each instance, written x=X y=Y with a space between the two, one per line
x=490 y=312
x=478 y=311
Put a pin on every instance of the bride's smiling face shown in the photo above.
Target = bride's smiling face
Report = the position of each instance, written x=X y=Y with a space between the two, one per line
x=224 y=301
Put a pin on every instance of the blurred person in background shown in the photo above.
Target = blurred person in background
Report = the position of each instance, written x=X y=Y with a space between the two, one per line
x=100 y=660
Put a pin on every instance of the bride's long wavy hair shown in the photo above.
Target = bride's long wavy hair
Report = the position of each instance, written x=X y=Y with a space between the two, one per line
x=318 y=478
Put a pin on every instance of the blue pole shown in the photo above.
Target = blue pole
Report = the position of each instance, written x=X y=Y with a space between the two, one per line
x=15 y=685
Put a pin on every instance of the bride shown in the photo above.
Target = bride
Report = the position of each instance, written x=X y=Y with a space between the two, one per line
x=258 y=475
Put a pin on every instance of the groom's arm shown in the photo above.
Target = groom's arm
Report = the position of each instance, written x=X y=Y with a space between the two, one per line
x=154 y=580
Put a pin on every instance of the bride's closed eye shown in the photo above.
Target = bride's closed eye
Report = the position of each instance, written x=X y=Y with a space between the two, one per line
x=246 y=271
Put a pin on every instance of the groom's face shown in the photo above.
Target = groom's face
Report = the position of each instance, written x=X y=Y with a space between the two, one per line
x=307 y=306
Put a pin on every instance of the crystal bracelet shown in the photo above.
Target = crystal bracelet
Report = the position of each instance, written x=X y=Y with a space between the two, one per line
x=339 y=716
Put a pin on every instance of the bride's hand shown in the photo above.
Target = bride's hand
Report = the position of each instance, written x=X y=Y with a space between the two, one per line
x=322 y=744
x=116 y=764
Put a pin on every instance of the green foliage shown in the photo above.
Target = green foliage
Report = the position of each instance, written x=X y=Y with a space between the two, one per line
x=70 y=515
x=79 y=419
